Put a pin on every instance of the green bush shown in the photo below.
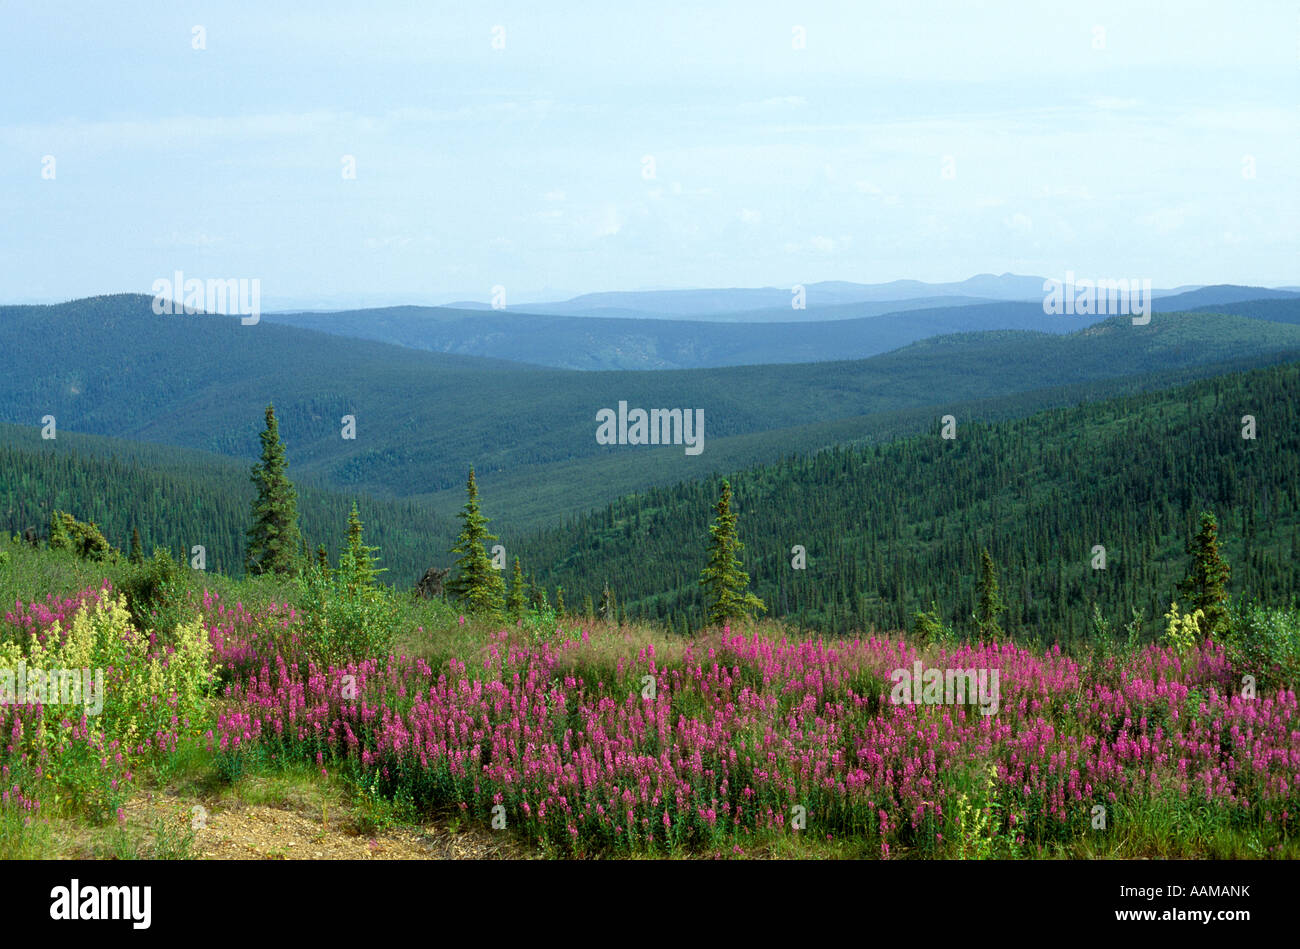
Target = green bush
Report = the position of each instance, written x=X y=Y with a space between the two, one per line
x=928 y=629
x=155 y=593
x=82 y=538
x=1264 y=642
x=345 y=621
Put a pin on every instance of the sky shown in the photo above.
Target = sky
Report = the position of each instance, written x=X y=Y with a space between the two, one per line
x=571 y=147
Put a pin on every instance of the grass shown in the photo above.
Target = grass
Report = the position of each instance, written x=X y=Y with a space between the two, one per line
x=168 y=787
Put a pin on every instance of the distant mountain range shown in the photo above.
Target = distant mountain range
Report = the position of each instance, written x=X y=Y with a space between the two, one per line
x=729 y=303
x=751 y=337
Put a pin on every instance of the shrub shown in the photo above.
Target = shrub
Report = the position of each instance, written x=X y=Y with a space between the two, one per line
x=1182 y=630
x=342 y=621
x=1264 y=642
x=155 y=594
x=141 y=700
x=928 y=629
x=82 y=538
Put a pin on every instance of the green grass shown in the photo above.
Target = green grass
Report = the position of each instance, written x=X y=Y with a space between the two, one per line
x=433 y=630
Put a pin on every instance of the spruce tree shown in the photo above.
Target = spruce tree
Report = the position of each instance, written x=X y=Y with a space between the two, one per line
x=517 y=601
x=357 y=561
x=478 y=585
x=273 y=538
x=137 y=549
x=726 y=584
x=990 y=601
x=1206 y=582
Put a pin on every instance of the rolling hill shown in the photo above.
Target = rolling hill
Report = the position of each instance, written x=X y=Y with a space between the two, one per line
x=109 y=366
x=843 y=331
x=890 y=529
x=889 y=526
x=178 y=497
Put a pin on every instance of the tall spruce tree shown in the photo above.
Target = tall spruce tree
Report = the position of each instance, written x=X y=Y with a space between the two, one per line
x=1206 y=583
x=725 y=582
x=478 y=586
x=137 y=549
x=273 y=538
x=990 y=603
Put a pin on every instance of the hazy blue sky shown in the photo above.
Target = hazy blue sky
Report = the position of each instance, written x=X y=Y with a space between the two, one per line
x=523 y=166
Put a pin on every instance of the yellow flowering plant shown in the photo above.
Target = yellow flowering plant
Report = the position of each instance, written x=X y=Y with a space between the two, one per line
x=1182 y=630
x=108 y=697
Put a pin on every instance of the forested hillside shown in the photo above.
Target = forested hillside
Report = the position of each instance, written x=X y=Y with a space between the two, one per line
x=177 y=498
x=422 y=418
x=594 y=342
x=890 y=528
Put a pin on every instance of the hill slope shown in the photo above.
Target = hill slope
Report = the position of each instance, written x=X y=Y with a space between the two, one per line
x=178 y=498
x=778 y=335
x=110 y=366
x=596 y=342
x=890 y=528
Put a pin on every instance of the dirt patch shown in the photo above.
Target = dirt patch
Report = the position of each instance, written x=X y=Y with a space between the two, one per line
x=252 y=832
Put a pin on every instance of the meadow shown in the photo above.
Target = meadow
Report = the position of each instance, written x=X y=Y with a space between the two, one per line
x=573 y=737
